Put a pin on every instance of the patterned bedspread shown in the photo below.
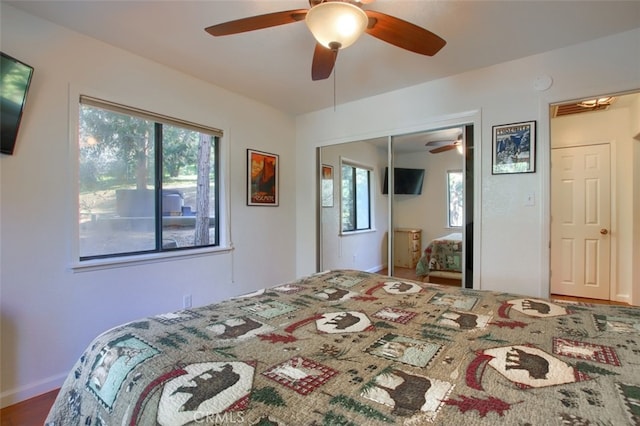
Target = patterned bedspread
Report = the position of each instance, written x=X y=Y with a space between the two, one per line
x=354 y=348
x=443 y=254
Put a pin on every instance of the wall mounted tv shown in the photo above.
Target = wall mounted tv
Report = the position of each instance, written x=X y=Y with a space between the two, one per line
x=405 y=181
x=15 y=77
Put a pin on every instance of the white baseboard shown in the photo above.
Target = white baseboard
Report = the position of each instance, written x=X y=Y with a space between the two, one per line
x=22 y=393
x=375 y=268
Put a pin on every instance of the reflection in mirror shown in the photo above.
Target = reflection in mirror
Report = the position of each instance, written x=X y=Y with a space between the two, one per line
x=353 y=227
x=423 y=201
x=428 y=225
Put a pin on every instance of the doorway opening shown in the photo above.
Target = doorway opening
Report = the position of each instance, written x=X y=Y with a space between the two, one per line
x=595 y=190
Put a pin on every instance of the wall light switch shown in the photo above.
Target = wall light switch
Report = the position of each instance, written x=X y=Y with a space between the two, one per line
x=530 y=200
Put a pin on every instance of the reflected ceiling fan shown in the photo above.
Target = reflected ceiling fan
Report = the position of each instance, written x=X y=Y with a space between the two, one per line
x=445 y=145
x=336 y=24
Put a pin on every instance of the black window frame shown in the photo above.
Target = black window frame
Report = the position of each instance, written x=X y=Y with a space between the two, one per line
x=158 y=122
x=354 y=213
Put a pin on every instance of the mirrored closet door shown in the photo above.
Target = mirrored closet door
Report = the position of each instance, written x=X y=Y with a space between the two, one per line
x=412 y=223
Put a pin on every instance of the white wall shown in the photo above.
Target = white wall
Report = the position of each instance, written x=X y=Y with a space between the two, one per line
x=50 y=313
x=635 y=131
x=513 y=250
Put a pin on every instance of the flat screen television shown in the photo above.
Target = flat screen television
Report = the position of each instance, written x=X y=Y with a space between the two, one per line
x=405 y=181
x=15 y=78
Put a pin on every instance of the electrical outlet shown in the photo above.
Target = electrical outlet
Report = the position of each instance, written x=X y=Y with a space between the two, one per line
x=186 y=301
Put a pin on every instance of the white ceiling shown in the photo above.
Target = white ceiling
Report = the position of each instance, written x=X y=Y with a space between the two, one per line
x=274 y=65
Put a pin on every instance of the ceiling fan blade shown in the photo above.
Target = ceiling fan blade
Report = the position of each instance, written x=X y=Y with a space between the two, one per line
x=403 y=34
x=443 y=149
x=323 y=61
x=441 y=142
x=257 y=22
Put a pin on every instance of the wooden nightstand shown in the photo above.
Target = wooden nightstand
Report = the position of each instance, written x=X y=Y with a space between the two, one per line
x=407 y=247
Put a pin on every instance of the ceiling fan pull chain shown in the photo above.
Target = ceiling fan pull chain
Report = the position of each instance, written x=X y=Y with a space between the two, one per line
x=334 y=89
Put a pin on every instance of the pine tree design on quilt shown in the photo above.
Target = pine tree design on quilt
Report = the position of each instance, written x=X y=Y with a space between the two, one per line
x=304 y=300
x=139 y=325
x=631 y=395
x=488 y=338
x=173 y=340
x=432 y=331
x=195 y=331
x=331 y=418
x=357 y=407
x=224 y=351
x=383 y=324
x=587 y=368
x=268 y=396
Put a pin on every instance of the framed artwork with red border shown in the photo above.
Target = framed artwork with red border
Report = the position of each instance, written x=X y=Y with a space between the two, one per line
x=327 y=185
x=262 y=178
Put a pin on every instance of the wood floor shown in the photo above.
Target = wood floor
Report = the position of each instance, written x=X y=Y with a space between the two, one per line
x=410 y=274
x=33 y=412
x=585 y=300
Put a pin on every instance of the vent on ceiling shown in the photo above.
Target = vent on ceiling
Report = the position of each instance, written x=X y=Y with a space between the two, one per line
x=582 y=106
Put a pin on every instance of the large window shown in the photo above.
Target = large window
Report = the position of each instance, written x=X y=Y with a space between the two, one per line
x=356 y=198
x=454 y=198
x=148 y=183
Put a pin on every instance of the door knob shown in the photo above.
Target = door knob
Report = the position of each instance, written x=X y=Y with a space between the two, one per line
x=604 y=231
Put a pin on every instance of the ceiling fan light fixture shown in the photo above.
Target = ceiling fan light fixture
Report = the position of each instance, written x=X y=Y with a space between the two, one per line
x=336 y=24
x=599 y=102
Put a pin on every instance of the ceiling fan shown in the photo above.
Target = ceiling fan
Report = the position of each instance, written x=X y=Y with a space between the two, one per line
x=444 y=145
x=336 y=24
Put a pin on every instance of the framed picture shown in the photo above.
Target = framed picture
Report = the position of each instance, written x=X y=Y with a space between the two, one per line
x=262 y=178
x=514 y=148
x=327 y=186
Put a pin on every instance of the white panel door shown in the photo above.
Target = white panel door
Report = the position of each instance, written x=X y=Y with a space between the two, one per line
x=580 y=221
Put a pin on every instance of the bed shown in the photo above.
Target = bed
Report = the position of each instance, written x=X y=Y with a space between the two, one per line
x=347 y=347
x=442 y=259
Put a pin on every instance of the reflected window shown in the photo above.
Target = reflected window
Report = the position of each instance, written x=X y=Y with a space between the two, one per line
x=454 y=198
x=356 y=197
